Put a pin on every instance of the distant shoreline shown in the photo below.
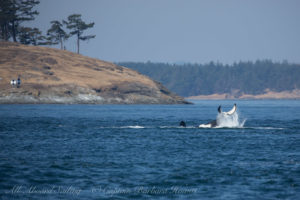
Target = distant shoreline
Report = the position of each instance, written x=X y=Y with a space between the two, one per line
x=288 y=95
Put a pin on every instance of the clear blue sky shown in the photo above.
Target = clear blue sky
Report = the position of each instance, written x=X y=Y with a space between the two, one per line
x=183 y=30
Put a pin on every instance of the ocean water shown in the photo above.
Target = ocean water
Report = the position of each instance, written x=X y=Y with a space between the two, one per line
x=140 y=152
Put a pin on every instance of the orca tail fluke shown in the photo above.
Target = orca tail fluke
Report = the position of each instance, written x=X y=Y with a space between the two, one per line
x=219 y=109
x=232 y=110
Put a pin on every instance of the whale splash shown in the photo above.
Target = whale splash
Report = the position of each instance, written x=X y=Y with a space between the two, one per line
x=229 y=121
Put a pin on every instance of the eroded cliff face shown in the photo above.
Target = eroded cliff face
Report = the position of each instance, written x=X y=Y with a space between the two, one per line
x=56 y=76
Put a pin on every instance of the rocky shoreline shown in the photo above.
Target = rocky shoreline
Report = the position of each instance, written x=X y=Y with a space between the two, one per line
x=79 y=95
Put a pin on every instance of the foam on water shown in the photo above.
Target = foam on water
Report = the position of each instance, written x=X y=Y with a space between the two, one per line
x=136 y=126
x=121 y=127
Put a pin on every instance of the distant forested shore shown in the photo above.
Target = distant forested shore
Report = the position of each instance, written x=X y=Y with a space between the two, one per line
x=253 y=78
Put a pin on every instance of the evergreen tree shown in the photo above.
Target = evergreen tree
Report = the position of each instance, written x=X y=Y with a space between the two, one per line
x=243 y=77
x=13 y=13
x=77 y=26
x=56 y=34
x=32 y=36
x=6 y=15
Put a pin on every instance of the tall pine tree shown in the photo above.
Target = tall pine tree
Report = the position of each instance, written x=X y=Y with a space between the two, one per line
x=77 y=27
x=56 y=33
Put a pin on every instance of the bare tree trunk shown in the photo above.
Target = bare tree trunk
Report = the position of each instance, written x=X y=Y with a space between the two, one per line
x=6 y=32
x=14 y=31
x=78 y=43
x=3 y=32
x=61 y=43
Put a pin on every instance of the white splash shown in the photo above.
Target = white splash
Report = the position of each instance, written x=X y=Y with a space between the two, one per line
x=229 y=121
x=205 y=126
x=134 y=126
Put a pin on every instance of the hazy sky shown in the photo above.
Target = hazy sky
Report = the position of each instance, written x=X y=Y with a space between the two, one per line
x=183 y=30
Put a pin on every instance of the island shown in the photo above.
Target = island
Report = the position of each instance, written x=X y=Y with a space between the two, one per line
x=53 y=76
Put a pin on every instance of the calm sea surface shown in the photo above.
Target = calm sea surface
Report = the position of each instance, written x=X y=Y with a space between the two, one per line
x=139 y=152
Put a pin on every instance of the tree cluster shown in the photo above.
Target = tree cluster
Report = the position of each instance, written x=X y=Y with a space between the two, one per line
x=13 y=13
x=243 y=77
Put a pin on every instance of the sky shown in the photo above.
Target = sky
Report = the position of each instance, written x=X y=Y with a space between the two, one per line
x=178 y=31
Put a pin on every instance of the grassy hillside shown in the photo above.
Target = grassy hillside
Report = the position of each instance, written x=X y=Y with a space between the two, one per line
x=261 y=79
x=56 y=76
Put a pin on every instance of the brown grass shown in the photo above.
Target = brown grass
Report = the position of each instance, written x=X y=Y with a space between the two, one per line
x=55 y=67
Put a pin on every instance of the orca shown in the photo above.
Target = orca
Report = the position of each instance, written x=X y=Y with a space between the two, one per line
x=214 y=123
x=182 y=124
